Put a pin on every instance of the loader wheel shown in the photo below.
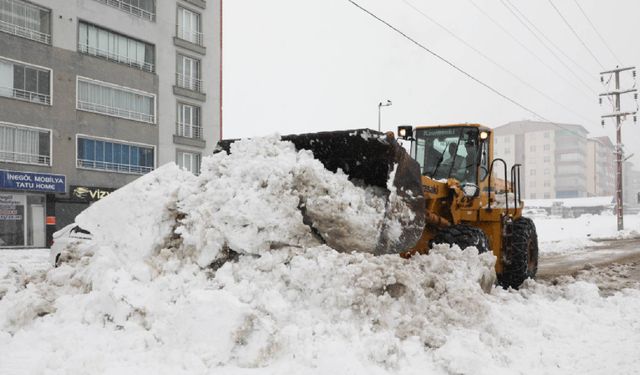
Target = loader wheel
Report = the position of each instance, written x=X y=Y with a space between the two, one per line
x=521 y=261
x=462 y=235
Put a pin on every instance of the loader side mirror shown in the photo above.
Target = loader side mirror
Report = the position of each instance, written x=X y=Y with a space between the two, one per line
x=405 y=132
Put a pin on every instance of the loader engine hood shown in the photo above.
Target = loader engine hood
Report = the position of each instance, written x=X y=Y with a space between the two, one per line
x=370 y=159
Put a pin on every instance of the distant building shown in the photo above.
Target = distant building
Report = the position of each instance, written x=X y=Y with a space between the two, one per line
x=601 y=167
x=553 y=157
x=93 y=94
x=631 y=185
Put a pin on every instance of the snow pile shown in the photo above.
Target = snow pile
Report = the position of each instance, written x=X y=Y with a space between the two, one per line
x=560 y=235
x=263 y=195
x=160 y=289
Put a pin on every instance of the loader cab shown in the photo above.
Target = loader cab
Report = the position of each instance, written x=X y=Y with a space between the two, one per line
x=445 y=152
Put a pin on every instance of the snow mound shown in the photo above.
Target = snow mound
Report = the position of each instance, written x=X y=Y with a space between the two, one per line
x=161 y=288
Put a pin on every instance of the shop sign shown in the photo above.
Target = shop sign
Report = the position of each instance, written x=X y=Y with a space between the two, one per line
x=89 y=193
x=28 y=181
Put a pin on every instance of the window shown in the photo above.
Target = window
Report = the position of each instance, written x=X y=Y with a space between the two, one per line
x=532 y=172
x=189 y=161
x=188 y=124
x=547 y=195
x=25 y=82
x=140 y=8
x=532 y=148
x=547 y=159
x=546 y=134
x=188 y=27
x=188 y=74
x=114 y=156
x=96 y=41
x=547 y=147
x=532 y=183
x=547 y=183
x=111 y=100
x=547 y=171
x=26 y=20
x=23 y=144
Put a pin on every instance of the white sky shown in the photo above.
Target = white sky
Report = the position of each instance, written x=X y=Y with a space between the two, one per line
x=293 y=66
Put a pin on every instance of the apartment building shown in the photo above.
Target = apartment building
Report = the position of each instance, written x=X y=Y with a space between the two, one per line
x=95 y=93
x=553 y=157
x=601 y=167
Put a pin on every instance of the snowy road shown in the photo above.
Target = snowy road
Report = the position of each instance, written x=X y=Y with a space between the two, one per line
x=607 y=252
x=612 y=265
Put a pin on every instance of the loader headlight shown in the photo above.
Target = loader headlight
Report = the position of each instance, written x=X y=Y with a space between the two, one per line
x=484 y=135
x=470 y=190
x=405 y=132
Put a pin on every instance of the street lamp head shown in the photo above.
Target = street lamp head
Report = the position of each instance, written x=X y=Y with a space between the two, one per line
x=388 y=102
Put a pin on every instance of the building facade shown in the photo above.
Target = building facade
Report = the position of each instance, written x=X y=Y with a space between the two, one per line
x=93 y=94
x=601 y=167
x=553 y=157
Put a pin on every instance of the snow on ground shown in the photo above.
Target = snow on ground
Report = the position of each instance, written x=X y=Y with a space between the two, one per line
x=141 y=299
x=558 y=235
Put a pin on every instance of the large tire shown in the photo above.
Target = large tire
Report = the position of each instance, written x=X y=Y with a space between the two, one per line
x=462 y=235
x=521 y=261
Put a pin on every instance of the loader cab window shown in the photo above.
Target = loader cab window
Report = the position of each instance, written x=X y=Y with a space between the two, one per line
x=448 y=153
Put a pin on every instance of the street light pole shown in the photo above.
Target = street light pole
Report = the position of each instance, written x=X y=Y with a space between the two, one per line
x=380 y=105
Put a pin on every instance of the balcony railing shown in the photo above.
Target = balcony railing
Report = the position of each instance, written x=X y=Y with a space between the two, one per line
x=115 y=57
x=188 y=82
x=20 y=157
x=117 y=112
x=131 y=9
x=113 y=167
x=192 y=36
x=188 y=130
x=28 y=96
x=24 y=32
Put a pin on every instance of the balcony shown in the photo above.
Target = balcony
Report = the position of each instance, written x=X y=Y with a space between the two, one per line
x=113 y=167
x=83 y=48
x=191 y=36
x=24 y=158
x=131 y=9
x=27 y=96
x=188 y=130
x=25 y=32
x=116 y=112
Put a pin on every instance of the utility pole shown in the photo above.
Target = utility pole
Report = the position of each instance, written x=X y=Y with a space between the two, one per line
x=619 y=116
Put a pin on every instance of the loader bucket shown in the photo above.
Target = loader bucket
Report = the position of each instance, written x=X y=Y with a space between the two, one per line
x=369 y=157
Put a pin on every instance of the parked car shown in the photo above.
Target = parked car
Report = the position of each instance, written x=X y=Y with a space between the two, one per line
x=69 y=235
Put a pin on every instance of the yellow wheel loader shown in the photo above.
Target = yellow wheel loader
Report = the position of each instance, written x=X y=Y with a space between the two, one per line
x=449 y=189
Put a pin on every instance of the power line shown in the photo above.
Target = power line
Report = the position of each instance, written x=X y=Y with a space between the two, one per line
x=597 y=32
x=502 y=67
x=576 y=34
x=526 y=22
x=510 y=34
x=454 y=66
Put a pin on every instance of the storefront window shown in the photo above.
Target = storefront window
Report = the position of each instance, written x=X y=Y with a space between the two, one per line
x=22 y=220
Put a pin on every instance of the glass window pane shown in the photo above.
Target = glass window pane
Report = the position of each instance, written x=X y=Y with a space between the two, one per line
x=117 y=153
x=18 y=77
x=99 y=151
x=124 y=159
x=135 y=155
x=108 y=152
x=31 y=80
x=43 y=83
